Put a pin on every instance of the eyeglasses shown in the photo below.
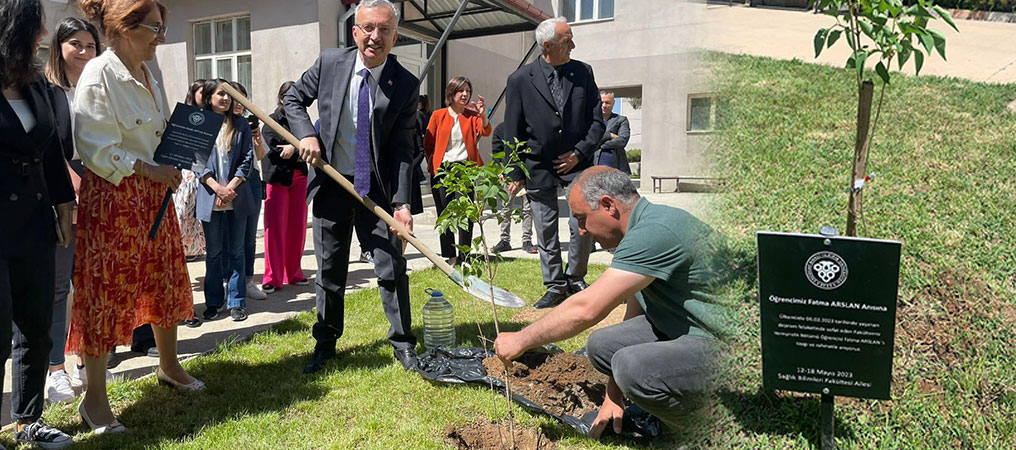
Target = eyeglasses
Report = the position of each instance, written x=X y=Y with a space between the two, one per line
x=158 y=30
x=369 y=29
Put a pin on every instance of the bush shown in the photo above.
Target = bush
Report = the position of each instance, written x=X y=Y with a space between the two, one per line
x=634 y=155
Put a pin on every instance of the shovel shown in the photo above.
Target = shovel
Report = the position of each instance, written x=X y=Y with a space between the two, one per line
x=472 y=285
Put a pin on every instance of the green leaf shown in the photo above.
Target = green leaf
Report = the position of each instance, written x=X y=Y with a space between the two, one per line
x=833 y=37
x=918 y=61
x=820 y=37
x=927 y=40
x=904 y=55
x=882 y=72
x=866 y=27
x=939 y=39
x=859 y=62
x=946 y=16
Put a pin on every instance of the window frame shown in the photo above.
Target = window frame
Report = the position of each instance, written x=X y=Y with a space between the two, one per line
x=712 y=113
x=578 y=12
x=214 y=57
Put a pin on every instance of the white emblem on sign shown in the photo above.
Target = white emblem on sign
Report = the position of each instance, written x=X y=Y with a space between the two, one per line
x=826 y=270
x=196 y=118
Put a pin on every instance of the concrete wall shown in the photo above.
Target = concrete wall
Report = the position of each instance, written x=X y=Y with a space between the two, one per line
x=644 y=49
x=286 y=38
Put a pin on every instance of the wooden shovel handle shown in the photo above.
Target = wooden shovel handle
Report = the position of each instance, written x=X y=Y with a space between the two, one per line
x=335 y=175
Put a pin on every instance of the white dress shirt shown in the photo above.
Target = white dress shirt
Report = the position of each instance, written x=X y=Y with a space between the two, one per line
x=343 y=157
x=456 y=150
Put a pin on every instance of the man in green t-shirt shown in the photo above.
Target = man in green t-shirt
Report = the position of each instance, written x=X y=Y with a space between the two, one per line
x=664 y=266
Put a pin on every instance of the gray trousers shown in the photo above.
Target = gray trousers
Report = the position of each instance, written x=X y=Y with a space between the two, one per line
x=661 y=376
x=527 y=219
x=546 y=210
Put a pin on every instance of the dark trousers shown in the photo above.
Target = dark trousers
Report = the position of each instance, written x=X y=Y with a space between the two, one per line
x=250 y=239
x=61 y=290
x=26 y=306
x=546 y=210
x=224 y=247
x=441 y=201
x=335 y=212
x=658 y=374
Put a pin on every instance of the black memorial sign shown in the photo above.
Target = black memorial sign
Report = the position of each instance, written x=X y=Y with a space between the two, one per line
x=189 y=138
x=828 y=310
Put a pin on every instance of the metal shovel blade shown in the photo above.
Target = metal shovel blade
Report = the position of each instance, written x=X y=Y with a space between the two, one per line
x=481 y=290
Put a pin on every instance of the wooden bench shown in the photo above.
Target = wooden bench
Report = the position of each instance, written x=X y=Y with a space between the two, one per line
x=658 y=180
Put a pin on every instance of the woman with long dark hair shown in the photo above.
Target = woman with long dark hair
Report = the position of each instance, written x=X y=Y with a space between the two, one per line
x=33 y=179
x=285 y=206
x=223 y=206
x=74 y=44
x=119 y=113
x=257 y=196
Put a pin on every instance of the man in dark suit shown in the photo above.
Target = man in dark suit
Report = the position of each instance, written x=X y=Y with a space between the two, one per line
x=615 y=137
x=553 y=104
x=367 y=105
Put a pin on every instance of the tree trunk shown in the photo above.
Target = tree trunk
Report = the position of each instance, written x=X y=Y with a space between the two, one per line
x=860 y=155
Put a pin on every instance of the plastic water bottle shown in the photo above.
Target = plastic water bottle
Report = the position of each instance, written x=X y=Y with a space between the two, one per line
x=438 y=321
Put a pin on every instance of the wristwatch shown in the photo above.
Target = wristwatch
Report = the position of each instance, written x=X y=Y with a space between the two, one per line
x=400 y=206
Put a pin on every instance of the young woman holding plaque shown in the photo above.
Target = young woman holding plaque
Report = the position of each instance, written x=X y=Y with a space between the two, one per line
x=224 y=204
x=74 y=43
x=33 y=179
x=122 y=278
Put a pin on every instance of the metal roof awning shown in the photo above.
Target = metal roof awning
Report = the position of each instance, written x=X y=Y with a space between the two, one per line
x=429 y=19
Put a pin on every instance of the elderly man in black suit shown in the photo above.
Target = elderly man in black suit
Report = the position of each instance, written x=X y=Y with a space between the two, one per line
x=553 y=104
x=367 y=105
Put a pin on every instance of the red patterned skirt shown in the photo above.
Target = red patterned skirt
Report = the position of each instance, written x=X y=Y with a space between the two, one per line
x=122 y=279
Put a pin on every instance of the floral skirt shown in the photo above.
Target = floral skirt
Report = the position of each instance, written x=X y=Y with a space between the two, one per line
x=121 y=278
x=185 y=199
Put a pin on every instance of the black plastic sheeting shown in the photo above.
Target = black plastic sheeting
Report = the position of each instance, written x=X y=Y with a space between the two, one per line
x=463 y=365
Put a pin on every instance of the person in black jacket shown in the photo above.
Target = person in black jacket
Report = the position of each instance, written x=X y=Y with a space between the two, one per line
x=33 y=180
x=554 y=105
x=285 y=205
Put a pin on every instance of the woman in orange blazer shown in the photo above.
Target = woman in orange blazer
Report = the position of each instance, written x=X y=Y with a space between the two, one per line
x=451 y=138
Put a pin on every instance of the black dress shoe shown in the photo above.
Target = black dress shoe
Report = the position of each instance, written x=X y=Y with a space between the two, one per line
x=407 y=357
x=550 y=300
x=576 y=286
x=318 y=359
x=501 y=247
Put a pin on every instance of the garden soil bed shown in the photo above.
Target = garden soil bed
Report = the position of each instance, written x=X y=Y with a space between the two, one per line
x=483 y=435
x=562 y=383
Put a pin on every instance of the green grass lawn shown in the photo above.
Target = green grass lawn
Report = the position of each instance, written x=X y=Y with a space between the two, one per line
x=945 y=159
x=258 y=397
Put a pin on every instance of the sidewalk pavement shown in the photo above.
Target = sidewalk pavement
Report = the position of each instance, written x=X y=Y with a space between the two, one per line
x=980 y=51
x=291 y=300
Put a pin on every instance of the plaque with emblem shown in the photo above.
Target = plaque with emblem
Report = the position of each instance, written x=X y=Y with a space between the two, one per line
x=189 y=138
x=828 y=313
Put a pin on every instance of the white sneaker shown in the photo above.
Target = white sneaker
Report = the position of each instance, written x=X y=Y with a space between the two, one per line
x=80 y=377
x=58 y=387
x=254 y=293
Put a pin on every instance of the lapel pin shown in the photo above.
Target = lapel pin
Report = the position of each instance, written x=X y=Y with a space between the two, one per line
x=571 y=74
x=389 y=82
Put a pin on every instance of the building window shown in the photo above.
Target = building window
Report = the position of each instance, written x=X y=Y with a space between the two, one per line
x=583 y=10
x=701 y=112
x=222 y=50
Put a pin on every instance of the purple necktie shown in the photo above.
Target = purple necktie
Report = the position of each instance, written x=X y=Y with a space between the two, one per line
x=361 y=177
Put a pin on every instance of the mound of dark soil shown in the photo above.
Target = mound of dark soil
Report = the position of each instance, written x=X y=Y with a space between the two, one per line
x=563 y=383
x=482 y=435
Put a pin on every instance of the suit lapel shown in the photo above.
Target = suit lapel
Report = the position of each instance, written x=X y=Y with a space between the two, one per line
x=386 y=88
x=567 y=73
x=340 y=86
x=540 y=82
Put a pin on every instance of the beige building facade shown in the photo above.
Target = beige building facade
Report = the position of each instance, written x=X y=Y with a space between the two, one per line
x=638 y=48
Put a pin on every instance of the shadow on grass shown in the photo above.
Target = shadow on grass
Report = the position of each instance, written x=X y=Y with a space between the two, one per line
x=236 y=388
x=766 y=413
